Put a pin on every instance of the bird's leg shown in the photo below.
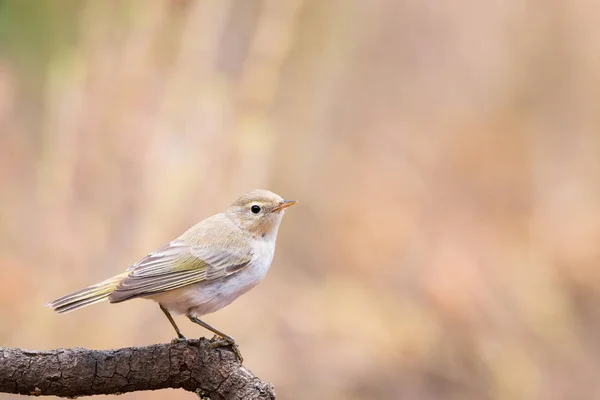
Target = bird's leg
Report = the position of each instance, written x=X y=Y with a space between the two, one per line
x=225 y=340
x=180 y=337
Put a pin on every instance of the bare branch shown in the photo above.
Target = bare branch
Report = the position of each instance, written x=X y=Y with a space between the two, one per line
x=191 y=365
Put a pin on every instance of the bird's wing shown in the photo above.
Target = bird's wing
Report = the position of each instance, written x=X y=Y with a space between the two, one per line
x=176 y=265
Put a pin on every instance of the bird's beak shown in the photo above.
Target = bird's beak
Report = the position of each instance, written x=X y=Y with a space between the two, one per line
x=285 y=204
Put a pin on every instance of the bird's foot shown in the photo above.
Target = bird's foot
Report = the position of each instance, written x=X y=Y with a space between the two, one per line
x=179 y=339
x=218 y=341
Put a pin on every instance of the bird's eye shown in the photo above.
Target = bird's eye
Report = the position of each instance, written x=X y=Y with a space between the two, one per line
x=255 y=209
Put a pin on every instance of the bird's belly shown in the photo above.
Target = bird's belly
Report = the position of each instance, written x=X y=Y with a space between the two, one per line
x=207 y=297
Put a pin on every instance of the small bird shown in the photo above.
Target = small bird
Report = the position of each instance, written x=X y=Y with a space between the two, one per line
x=205 y=269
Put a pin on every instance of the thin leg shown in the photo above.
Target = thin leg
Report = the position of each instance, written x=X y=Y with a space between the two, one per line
x=198 y=321
x=226 y=339
x=172 y=321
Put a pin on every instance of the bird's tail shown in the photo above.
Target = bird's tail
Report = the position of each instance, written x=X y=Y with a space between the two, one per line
x=84 y=297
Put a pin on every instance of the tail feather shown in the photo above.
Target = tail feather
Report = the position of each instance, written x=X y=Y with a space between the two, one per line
x=85 y=297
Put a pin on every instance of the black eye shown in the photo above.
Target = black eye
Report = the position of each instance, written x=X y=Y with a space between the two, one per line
x=255 y=209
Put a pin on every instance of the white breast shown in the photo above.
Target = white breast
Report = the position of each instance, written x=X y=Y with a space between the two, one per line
x=261 y=262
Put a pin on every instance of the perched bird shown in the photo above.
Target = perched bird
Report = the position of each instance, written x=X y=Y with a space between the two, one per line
x=205 y=269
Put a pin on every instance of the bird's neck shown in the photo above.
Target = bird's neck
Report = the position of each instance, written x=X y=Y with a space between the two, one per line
x=271 y=234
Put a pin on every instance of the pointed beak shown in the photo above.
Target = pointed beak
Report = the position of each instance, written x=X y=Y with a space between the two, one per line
x=285 y=204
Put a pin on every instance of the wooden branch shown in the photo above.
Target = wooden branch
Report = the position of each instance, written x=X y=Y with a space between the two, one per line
x=193 y=365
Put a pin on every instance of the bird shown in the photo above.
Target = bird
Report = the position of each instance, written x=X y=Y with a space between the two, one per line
x=205 y=269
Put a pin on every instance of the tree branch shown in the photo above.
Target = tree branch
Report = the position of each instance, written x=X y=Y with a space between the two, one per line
x=192 y=365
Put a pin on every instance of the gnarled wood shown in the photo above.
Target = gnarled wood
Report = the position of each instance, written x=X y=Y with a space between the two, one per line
x=193 y=365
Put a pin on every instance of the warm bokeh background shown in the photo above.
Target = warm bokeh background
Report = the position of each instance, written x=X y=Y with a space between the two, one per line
x=445 y=156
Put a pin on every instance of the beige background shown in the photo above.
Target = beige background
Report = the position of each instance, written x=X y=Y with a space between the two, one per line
x=445 y=156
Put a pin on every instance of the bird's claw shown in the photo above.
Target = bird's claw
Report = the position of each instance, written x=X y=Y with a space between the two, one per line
x=179 y=339
x=218 y=341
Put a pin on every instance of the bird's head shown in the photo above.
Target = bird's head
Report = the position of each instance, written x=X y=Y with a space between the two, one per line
x=259 y=212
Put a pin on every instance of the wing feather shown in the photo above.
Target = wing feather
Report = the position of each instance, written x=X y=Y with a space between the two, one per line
x=177 y=265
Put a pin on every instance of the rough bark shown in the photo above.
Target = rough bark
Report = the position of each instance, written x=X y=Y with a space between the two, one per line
x=193 y=365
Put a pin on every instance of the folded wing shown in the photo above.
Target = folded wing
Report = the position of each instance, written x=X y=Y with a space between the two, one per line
x=177 y=265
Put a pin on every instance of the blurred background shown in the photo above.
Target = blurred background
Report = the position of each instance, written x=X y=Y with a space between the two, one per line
x=445 y=156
